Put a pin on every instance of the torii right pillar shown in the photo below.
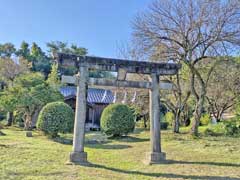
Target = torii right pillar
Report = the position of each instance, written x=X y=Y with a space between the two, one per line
x=156 y=155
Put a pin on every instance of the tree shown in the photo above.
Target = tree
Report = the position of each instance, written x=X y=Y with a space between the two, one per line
x=53 y=79
x=189 y=31
x=9 y=70
x=24 y=51
x=62 y=47
x=177 y=101
x=7 y=50
x=8 y=102
x=223 y=90
x=33 y=100
x=34 y=94
x=40 y=62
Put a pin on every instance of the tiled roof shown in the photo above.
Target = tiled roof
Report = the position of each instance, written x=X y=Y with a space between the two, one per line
x=94 y=95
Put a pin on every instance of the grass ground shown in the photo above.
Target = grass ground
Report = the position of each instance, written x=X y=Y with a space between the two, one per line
x=41 y=158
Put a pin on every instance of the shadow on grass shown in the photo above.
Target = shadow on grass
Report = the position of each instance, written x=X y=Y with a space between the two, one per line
x=30 y=173
x=108 y=146
x=4 y=146
x=63 y=140
x=203 y=163
x=2 y=134
x=129 y=139
x=161 y=175
x=93 y=143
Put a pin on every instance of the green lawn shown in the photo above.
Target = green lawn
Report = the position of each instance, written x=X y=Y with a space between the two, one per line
x=42 y=158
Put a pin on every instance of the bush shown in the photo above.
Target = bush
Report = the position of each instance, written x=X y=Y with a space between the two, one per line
x=56 y=117
x=232 y=126
x=18 y=118
x=117 y=120
x=215 y=130
x=2 y=115
x=205 y=119
x=169 y=117
x=164 y=125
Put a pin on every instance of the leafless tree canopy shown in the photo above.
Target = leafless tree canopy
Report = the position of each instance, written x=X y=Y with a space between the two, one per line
x=189 y=30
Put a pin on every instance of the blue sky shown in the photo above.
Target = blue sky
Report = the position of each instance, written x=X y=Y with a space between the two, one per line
x=98 y=25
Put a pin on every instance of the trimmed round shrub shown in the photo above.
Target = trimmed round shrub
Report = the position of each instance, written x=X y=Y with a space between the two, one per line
x=117 y=120
x=56 y=117
x=205 y=119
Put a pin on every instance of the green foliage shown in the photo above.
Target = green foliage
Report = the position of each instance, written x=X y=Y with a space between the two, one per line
x=164 y=125
x=28 y=95
x=237 y=109
x=229 y=127
x=38 y=96
x=62 y=47
x=6 y=50
x=232 y=126
x=169 y=117
x=56 y=117
x=53 y=79
x=135 y=110
x=9 y=99
x=19 y=118
x=24 y=50
x=39 y=60
x=29 y=80
x=2 y=115
x=117 y=120
x=205 y=119
x=215 y=129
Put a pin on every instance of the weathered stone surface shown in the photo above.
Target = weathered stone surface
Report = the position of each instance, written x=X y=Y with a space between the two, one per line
x=81 y=109
x=155 y=158
x=110 y=64
x=78 y=157
x=84 y=63
x=92 y=82
x=29 y=134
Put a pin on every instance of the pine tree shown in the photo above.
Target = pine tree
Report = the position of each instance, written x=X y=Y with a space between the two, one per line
x=53 y=79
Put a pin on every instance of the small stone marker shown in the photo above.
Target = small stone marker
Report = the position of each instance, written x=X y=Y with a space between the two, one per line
x=29 y=134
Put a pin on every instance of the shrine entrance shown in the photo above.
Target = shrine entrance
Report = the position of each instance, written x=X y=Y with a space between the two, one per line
x=122 y=67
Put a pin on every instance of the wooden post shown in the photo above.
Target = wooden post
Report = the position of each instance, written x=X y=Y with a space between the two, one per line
x=156 y=155
x=78 y=155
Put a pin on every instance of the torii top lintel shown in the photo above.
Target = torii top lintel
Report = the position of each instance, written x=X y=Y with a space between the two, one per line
x=110 y=64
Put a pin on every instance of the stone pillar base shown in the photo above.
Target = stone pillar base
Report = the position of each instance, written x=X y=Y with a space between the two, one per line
x=155 y=158
x=78 y=157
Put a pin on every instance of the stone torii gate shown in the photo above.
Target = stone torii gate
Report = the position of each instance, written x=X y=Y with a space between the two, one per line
x=122 y=67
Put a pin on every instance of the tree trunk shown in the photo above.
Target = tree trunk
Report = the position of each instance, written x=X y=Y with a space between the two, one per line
x=35 y=118
x=9 y=118
x=176 y=122
x=197 y=115
x=28 y=122
x=199 y=98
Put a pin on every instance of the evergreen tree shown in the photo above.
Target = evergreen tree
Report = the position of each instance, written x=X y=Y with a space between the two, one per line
x=53 y=79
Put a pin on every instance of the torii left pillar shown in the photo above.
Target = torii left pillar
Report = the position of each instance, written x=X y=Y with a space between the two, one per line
x=78 y=155
x=156 y=155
